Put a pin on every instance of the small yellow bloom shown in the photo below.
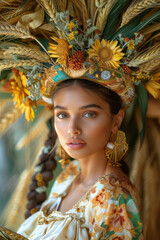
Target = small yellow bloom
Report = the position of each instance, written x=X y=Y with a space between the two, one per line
x=39 y=177
x=71 y=25
x=40 y=183
x=33 y=210
x=71 y=36
x=131 y=45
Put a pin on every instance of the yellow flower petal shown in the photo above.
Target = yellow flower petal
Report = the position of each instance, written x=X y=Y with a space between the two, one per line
x=113 y=44
x=97 y=44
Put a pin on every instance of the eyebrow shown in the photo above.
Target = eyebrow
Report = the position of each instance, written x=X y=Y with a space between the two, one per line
x=83 y=107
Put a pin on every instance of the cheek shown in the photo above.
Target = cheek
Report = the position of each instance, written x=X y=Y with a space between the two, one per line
x=100 y=132
x=60 y=129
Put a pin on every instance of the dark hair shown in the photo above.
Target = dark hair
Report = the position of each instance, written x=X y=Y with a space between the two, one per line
x=43 y=175
x=112 y=98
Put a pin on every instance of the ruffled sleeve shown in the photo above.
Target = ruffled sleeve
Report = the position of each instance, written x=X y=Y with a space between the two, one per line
x=114 y=212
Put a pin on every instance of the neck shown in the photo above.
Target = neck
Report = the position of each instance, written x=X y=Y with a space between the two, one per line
x=92 y=167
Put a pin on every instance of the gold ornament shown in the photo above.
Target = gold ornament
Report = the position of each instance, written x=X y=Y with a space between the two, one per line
x=65 y=160
x=116 y=148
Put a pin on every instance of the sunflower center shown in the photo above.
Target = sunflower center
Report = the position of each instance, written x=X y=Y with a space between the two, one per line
x=105 y=54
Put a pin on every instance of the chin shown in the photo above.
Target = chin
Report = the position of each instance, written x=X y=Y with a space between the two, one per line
x=79 y=155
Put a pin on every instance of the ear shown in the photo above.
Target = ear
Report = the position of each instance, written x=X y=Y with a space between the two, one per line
x=117 y=120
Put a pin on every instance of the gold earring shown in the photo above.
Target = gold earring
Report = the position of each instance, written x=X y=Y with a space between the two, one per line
x=65 y=160
x=116 y=148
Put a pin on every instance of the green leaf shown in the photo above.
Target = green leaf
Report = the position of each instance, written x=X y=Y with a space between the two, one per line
x=44 y=42
x=135 y=25
x=5 y=74
x=22 y=5
x=142 y=98
x=112 y=19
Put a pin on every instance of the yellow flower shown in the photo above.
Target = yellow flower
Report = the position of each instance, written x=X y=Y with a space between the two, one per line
x=19 y=87
x=71 y=36
x=153 y=88
x=107 y=53
x=39 y=177
x=71 y=25
x=20 y=92
x=27 y=107
x=131 y=45
x=33 y=210
x=60 y=50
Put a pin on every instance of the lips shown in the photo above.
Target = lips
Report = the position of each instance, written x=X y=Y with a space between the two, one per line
x=75 y=144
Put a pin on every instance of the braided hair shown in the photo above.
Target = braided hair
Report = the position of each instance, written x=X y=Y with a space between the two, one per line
x=42 y=175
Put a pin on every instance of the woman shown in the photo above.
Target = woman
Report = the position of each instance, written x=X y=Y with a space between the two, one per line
x=97 y=54
x=91 y=198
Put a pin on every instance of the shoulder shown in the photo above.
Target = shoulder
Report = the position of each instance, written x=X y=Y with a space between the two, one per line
x=114 y=187
x=65 y=178
x=114 y=209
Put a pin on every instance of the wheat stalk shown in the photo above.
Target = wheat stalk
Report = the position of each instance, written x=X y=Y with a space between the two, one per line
x=137 y=7
x=19 y=32
x=14 y=64
x=103 y=8
x=15 y=12
x=150 y=29
x=145 y=56
x=8 y=118
x=49 y=6
x=11 y=30
x=28 y=52
x=91 y=9
x=150 y=65
x=62 y=5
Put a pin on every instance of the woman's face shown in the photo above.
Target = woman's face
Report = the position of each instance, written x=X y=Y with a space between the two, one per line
x=83 y=121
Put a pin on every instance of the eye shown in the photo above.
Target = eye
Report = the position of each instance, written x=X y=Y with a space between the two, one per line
x=89 y=114
x=62 y=115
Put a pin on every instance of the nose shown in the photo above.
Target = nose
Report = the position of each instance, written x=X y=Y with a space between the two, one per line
x=74 y=128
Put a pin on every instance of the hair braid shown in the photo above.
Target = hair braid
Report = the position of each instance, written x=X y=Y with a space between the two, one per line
x=43 y=174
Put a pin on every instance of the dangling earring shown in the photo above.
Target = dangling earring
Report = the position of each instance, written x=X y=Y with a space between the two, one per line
x=116 y=148
x=65 y=160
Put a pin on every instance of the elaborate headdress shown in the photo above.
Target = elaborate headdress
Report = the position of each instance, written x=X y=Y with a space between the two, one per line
x=115 y=43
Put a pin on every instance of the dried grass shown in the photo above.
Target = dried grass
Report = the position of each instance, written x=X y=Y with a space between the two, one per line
x=31 y=53
x=13 y=31
x=146 y=56
x=14 y=64
x=150 y=65
x=49 y=6
x=103 y=8
x=137 y=7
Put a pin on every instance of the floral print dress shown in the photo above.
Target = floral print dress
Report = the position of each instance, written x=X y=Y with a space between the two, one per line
x=107 y=211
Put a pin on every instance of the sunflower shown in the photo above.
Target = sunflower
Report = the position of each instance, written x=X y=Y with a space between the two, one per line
x=59 y=51
x=153 y=85
x=106 y=53
x=19 y=84
x=20 y=92
x=27 y=107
